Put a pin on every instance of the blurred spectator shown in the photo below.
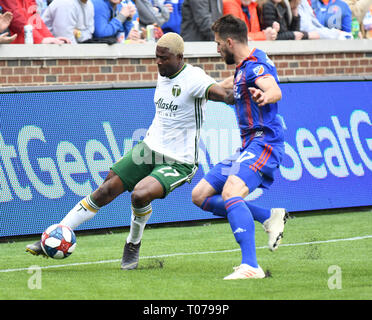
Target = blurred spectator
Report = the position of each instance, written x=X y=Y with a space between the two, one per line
x=286 y=14
x=152 y=12
x=5 y=20
x=175 y=18
x=198 y=17
x=112 y=17
x=41 y=6
x=73 y=19
x=367 y=24
x=315 y=29
x=359 y=8
x=246 y=10
x=333 y=14
x=24 y=13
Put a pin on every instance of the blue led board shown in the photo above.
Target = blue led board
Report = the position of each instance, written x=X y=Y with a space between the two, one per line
x=57 y=147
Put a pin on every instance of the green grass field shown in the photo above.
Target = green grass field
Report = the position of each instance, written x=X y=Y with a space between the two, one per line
x=189 y=263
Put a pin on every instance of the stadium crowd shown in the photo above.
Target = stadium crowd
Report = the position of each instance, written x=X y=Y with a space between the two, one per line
x=133 y=21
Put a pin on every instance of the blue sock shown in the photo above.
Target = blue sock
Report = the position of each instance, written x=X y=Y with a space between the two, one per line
x=242 y=225
x=216 y=205
x=259 y=214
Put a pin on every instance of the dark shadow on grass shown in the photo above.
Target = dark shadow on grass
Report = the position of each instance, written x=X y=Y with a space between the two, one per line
x=151 y=264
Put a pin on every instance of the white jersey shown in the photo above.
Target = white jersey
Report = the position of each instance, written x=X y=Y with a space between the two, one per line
x=180 y=108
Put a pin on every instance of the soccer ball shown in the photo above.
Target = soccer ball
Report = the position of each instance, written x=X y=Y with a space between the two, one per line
x=58 y=241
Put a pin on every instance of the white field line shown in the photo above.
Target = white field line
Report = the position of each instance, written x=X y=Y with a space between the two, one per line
x=188 y=254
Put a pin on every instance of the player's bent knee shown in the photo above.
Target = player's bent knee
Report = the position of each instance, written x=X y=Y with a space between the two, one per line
x=202 y=191
x=197 y=197
x=227 y=194
x=140 y=198
x=234 y=187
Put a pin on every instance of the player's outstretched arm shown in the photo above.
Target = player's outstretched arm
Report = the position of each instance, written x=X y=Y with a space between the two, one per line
x=218 y=93
x=268 y=91
x=227 y=83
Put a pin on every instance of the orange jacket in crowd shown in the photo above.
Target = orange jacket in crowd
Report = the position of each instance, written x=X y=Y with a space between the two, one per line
x=234 y=7
x=24 y=12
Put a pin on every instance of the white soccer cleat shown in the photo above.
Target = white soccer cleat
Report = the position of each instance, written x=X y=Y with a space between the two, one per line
x=274 y=226
x=245 y=271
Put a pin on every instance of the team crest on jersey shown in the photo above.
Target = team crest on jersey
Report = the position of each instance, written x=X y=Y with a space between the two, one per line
x=176 y=90
x=259 y=70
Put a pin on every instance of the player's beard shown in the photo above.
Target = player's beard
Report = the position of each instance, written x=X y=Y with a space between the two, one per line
x=229 y=57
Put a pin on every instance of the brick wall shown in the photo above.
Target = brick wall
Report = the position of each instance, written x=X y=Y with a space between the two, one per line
x=37 y=72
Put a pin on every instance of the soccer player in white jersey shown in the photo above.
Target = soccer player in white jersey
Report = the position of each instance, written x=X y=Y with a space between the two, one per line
x=168 y=155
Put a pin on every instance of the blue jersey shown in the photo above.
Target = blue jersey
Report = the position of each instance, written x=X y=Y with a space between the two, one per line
x=334 y=14
x=254 y=121
x=260 y=129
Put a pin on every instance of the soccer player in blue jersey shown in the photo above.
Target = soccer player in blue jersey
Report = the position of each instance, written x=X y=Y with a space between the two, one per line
x=223 y=189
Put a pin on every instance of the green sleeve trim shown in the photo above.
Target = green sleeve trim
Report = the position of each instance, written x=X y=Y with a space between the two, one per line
x=207 y=91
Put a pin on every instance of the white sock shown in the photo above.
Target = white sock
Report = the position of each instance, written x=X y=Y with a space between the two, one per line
x=85 y=210
x=140 y=216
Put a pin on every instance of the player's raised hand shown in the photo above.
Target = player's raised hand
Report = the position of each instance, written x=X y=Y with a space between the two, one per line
x=258 y=96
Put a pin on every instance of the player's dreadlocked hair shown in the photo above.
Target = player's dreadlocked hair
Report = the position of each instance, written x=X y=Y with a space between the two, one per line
x=231 y=27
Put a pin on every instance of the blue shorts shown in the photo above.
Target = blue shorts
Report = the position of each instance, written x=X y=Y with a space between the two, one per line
x=255 y=165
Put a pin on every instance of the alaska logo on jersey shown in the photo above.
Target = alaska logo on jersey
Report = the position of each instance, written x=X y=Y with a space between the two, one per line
x=176 y=90
x=259 y=70
x=166 y=106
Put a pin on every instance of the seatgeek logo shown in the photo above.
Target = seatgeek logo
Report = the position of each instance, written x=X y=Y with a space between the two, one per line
x=57 y=166
x=15 y=160
x=341 y=149
x=337 y=159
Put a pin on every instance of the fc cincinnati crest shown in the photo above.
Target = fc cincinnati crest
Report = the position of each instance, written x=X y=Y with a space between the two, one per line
x=176 y=90
x=259 y=70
